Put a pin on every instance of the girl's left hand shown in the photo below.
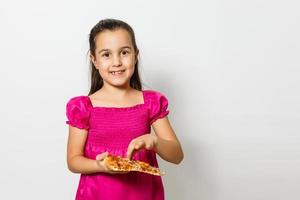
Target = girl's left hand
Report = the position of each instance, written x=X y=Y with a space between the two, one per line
x=147 y=141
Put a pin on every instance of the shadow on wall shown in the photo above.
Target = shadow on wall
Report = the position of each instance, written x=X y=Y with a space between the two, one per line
x=191 y=179
x=195 y=177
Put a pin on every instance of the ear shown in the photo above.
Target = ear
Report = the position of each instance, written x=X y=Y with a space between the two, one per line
x=93 y=60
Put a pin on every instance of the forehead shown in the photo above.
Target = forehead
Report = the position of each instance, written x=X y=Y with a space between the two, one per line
x=113 y=39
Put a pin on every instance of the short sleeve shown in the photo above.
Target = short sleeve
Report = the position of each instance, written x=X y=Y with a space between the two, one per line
x=158 y=106
x=78 y=112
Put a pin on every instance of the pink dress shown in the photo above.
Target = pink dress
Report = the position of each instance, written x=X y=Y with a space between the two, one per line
x=111 y=129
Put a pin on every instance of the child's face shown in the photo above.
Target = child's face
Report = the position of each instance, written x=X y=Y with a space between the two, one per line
x=115 y=57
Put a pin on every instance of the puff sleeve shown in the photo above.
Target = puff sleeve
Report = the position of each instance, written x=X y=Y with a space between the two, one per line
x=78 y=112
x=158 y=106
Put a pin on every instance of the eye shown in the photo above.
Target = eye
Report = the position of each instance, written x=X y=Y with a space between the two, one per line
x=124 y=52
x=105 y=55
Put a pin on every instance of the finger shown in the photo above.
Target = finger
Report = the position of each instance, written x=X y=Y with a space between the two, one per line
x=135 y=148
x=101 y=156
x=130 y=148
x=148 y=146
x=130 y=151
x=139 y=145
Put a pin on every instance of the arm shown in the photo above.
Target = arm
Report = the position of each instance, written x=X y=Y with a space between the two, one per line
x=164 y=142
x=77 y=163
x=167 y=145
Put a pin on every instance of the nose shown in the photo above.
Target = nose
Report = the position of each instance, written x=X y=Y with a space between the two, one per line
x=116 y=61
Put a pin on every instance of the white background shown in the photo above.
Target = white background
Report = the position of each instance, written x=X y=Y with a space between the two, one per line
x=230 y=70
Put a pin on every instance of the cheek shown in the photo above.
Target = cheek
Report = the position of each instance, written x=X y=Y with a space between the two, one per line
x=129 y=62
x=103 y=69
x=104 y=65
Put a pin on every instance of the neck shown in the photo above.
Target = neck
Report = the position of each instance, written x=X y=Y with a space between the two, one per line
x=117 y=92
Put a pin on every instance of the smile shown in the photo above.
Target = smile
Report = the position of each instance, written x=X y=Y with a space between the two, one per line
x=117 y=72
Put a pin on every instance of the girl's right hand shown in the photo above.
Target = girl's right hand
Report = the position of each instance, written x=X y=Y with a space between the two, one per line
x=100 y=161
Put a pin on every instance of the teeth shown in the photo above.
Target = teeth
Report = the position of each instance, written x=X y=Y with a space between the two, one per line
x=118 y=72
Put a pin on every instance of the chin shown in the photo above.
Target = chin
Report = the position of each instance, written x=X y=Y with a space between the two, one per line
x=119 y=83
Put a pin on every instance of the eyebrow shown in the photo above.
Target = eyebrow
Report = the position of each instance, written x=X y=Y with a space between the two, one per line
x=125 y=47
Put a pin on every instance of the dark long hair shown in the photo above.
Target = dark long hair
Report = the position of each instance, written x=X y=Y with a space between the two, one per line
x=111 y=24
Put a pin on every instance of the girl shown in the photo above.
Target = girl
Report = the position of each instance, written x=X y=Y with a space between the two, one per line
x=115 y=117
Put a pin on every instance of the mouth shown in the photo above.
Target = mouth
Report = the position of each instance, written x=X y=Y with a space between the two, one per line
x=117 y=72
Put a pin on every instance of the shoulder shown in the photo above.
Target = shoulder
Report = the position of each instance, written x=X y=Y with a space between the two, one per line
x=154 y=96
x=78 y=111
x=77 y=99
x=157 y=104
x=81 y=102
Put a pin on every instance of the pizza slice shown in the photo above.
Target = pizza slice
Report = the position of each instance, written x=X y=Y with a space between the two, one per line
x=117 y=163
